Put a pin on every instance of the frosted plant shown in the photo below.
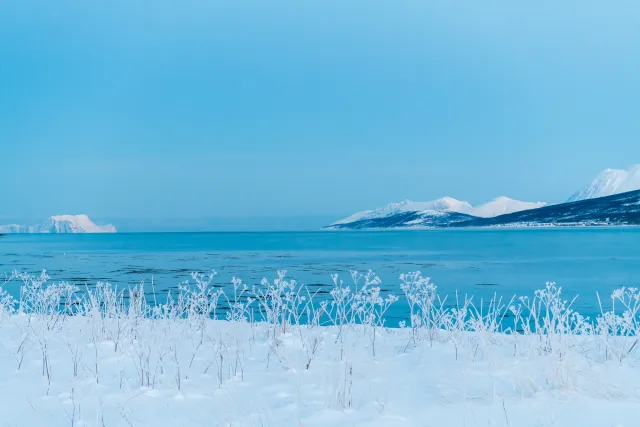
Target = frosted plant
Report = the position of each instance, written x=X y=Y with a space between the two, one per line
x=370 y=306
x=454 y=322
x=8 y=304
x=105 y=304
x=620 y=332
x=239 y=306
x=549 y=317
x=339 y=309
x=200 y=304
x=488 y=322
x=46 y=305
x=50 y=302
x=421 y=296
x=280 y=302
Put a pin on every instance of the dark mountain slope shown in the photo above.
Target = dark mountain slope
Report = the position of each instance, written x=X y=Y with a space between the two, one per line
x=619 y=209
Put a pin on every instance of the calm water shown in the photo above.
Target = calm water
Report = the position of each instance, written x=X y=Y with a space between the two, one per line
x=477 y=262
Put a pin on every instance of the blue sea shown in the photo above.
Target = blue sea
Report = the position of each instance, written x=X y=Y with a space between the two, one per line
x=476 y=262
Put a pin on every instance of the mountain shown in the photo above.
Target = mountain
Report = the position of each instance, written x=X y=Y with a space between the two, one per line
x=609 y=182
x=445 y=204
x=618 y=209
x=409 y=219
x=61 y=224
x=503 y=205
x=436 y=213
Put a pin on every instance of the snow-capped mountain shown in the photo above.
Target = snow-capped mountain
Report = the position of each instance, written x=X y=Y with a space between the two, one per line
x=609 y=182
x=445 y=204
x=617 y=209
x=614 y=210
x=434 y=213
x=503 y=205
x=61 y=224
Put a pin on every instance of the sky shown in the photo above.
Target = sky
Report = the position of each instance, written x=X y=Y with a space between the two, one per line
x=306 y=111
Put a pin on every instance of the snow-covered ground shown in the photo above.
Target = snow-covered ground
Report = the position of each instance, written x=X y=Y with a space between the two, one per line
x=119 y=362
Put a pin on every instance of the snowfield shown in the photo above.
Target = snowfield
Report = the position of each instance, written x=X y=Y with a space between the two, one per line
x=109 y=358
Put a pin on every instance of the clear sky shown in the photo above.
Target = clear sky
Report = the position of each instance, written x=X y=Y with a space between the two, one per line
x=180 y=110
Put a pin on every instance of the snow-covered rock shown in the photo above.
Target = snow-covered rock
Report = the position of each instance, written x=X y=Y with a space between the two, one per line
x=61 y=224
x=609 y=182
x=503 y=205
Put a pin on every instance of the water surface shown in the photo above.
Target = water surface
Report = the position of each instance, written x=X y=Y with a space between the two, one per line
x=477 y=262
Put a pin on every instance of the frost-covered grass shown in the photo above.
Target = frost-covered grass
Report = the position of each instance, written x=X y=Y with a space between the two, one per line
x=277 y=355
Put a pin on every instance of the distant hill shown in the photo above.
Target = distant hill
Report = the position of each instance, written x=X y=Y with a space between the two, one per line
x=618 y=209
x=60 y=224
x=436 y=213
x=427 y=218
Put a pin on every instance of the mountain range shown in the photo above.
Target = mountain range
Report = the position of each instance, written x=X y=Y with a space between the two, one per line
x=611 y=198
x=60 y=224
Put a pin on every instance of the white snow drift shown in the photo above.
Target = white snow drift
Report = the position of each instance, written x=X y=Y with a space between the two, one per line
x=61 y=224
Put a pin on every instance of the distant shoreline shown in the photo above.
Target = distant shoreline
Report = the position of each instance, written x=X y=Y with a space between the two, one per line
x=350 y=230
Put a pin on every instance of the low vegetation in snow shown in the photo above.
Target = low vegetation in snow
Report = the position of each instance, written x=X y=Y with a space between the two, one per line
x=276 y=354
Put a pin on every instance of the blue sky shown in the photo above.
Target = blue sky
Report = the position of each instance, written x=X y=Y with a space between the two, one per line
x=309 y=109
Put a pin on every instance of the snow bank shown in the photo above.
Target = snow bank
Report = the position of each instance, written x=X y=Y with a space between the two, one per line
x=233 y=374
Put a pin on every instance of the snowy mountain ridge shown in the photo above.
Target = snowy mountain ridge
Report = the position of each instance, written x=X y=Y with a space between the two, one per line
x=448 y=211
x=444 y=204
x=72 y=224
x=609 y=182
x=499 y=206
x=503 y=205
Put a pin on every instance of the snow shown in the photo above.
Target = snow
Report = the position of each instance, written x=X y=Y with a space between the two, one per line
x=609 y=182
x=503 y=205
x=61 y=224
x=633 y=180
x=237 y=378
x=78 y=224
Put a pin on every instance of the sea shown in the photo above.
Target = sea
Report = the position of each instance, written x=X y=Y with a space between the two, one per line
x=481 y=263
